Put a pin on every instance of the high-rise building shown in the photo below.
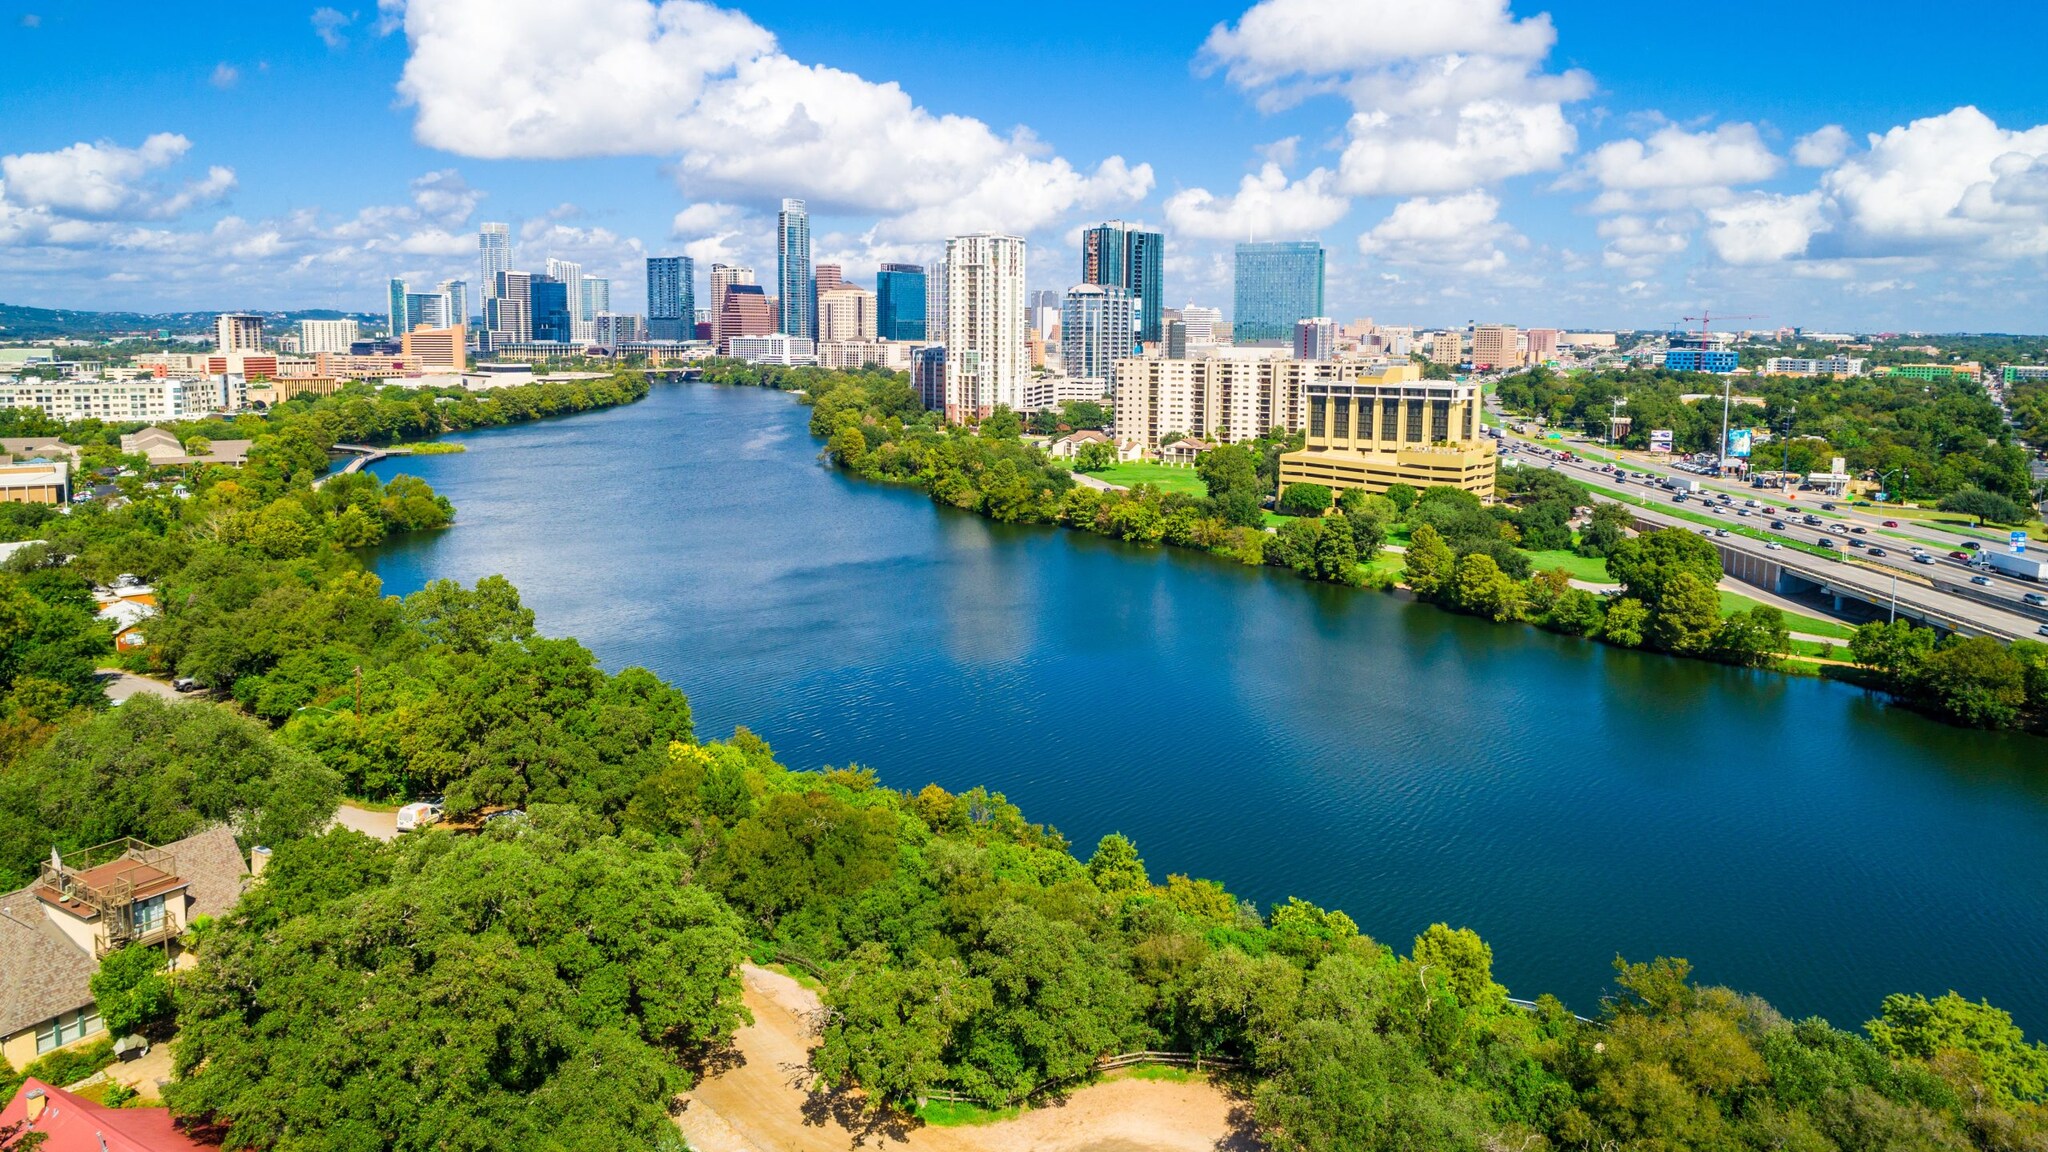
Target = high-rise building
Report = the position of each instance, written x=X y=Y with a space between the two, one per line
x=900 y=302
x=616 y=328
x=794 y=283
x=1223 y=395
x=1278 y=283
x=593 y=296
x=494 y=255
x=316 y=336
x=552 y=319
x=1134 y=260
x=430 y=308
x=928 y=376
x=1176 y=339
x=1315 y=338
x=508 y=311
x=1202 y=323
x=457 y=292
x=1375 y=431
x=1495 y=346
x=1447 y=348
x=846 y=313
x=1095 y=331
x=744 y=312
x=935 y=301
x=724 y=276
x=1542 y=345
x=398 y=312
x=439 y=349
x=567 y=273
x=830 y=278
x=238 y=332
x=987 y=358
x=672 y=296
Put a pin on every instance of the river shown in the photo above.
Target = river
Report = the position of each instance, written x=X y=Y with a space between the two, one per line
x=1570 y=802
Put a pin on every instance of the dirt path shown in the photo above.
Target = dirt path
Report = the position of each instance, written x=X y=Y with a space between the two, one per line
x=759 y=1104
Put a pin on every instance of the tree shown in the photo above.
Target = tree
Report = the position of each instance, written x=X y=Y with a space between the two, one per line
x=1115 y=867
x=1608 y=527
x=470 y=621
x=1466 y=959
x=1987 y=507
x=1403 y=496
x=1975 y=681
x=888 y=1029
x=1293 y=545
x=1624 y=622
x=1897 y=649
x=1095 y=456
x=1576 y=613
x=1646 y=564
x=847 y=447
x=1305 y=499
x=1753 y=638
x=1431 y=563
x=1235 y=490
x=1336 y=553
x=1002 y=424
x=132 y=990
x=1687 y=614
x=1484 y=590
x=1914 y=1027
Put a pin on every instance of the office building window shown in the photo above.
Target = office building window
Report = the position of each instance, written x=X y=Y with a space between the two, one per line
x=1439 y=420
x=1343 y=421
x=1315 y=415
x=1415 y=421
x=1468 y=421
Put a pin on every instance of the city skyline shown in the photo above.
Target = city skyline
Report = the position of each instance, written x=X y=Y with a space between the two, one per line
x=1603 y=187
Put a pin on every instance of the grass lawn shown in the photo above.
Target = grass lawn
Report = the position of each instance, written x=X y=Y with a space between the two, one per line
x=1733 y=602
x=1169 y=477
x=1589 y=568
x=946 y=1114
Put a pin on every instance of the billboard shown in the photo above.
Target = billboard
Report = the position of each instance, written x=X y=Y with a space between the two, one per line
x=1739 y=440
x=1660 y=439
x=2019 y=542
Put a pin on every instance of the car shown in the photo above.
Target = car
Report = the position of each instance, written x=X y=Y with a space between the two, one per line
x=1825 y=542
x=1879 y=552
x=184 y=684
x=1777 y=525
x=413 y=817
x=507 y=814
x=2036 y=599
x=1749 y=504
x=1838 y=529
x=1678 y=498
x=1716 y=509
x=1891 y=523
x=1827 y=507
x=2042 y=630
x=1981 y=580
x=1960 y=555
x=1774 y=546
x=1855 y=543
x=1860 y=530
x=1972 y=545
x=1923 y=558
x=1742 y=511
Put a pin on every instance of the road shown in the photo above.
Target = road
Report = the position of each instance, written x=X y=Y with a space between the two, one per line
x=122 y=686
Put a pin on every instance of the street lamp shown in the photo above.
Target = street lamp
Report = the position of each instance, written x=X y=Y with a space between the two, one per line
x=1785 y=467
x=1905 y=481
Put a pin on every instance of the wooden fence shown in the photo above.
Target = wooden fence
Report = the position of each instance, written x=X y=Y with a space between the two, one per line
x=1193 y=1060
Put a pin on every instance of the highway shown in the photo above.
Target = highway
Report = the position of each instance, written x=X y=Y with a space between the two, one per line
x=1940 y=590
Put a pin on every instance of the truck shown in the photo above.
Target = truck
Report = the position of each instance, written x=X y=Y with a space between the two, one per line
x=2020 y=565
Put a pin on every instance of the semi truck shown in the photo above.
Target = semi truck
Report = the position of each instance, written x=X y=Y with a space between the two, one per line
x=2020 y=565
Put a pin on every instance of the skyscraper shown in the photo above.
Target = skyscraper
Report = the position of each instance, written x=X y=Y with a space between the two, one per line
x=900 y=302
x=1495 y=346
x=846 y=313
x=830 y=277
x=508 y=311
x=1315 y=339
x=1095 y=331
x=1201 y=323
x=1279 y=282
x=397 y=311
x=1134 y=260
x=794 y=284
x=457 y=292
x=593 y=298
x=494 y=253
x=724 y=276
x=565 y=272
x=239 y=332
x=743 y=311
x=988 y=360
x=935 y=302
x=672 y=296
x=552 y=319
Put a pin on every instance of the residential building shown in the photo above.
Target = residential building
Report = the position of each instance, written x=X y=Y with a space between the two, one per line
x=1131 y=258
x=1542 y=345
x=37 y=482
x=593 y=295
x=552 y=320
x=935 y=300
x=1495 y=347
x=616 y=328
x=1701 y=354
x=494 y=257
x=1315 y=338
x=846 y=313
x=896 y=356
x=1933 y=373
x=326 y=336
x=238 y=332
x=1048 y=393
x=795 y=283
x=162 y=449
x=456 y=292
x=1177 y=339
x=723 y=276
x=1844 y=366
x=68 y=1123
x=398 y=315
x=2022 y=373
x=900 y=302
x=1277 y=283
x=116 y=401
x=368 y=366
x=773 y=348
x=438 y=349
x=508 y=311
x=1447 y=348
x=672 y=296
x=87 y=903
x=1095 y=333
x=1373 y=430
x=745 y=313
x=1599 y=341
x=928 y=376
x=1221 y=394
x=1202 y=323
x=987 y=358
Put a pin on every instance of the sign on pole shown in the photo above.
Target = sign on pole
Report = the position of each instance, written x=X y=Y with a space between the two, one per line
x=1739 y=441
x=2019 y=541
x=1660 y=439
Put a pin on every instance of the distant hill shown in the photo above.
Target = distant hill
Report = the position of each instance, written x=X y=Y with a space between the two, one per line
x=19 y=322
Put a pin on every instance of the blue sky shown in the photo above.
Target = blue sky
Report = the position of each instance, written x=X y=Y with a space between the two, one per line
x=1576 y=163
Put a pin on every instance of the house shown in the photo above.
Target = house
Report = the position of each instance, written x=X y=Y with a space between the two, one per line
x=1068 y=447
x=1183 y=451
x=69 y=1123
x=88 y=903
x=27 y=448
x=125 y=607
x=163 y=450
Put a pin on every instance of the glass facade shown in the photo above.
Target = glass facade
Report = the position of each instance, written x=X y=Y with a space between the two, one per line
x=899 y=303
x=795 y=282
x=550 y=304
x=1117 y=255
x=671 y=297
x=1279 y=284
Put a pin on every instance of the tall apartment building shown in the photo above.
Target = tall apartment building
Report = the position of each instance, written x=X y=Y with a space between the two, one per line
x=723 y=276
x=593 y=297
x=1315 y=338
x=935 y=301
x=238 y=332
x=1201 y=323
x=553 y=319
x=616 y=328
x=569 y=274
x=846 y=313
x=1096 y=332
x=1447 y=348
x=900 y=302
x=317 y=336
x=508 y=310
x=1220 y=394
x=672 y=296
x=1372 y=431
x=1496 y=347
x=987 y=358
x=1133 y=259
x=1277 y=284
x=928 y=376
x=494 y=255
x=795 y=284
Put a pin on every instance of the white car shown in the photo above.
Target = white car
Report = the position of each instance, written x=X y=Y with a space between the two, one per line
x=412 y=817
x=1774 y=546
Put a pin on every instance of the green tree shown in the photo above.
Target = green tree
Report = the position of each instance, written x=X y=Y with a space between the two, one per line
x=1431 y=564
x=1095 y=456
x=1305 y=499
x=1576 y=613
x=1466 y=959
x=132 y=990
x=1625 y=622
x=847 y=446
x=1115 y=867
x=1002 y=424
x=1898 y=649
x=1647 y=564
x=1607 y=528
x=1976 y=681
x=1293 y=545
x=1403 y=496
x=1481 y=588
x=1987 y=507
x=472 y=621
x=1336 y=553
x=889 y=1029
x=1914 y=1027
x=1754 y=638
x=1687 y=614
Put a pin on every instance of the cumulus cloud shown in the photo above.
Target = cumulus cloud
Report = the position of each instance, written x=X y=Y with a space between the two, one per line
x=1445 y=96
x=445 y=197
x=1674 y=167
x=105 y=181
x=1764 y=228
x=1267 y=206
x=1954 y=183
x=1461 y=232
x=712 y=88
x=1822 y=148
x=1636 y=244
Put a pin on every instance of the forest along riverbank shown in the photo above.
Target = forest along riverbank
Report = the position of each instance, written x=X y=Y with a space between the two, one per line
x=1794 y=838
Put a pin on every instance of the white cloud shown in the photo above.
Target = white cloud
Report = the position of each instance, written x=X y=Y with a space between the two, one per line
x=1954 y=183
x=104 y=181
x=328 y=24
x=1463 y=232
x=224 y=75
x=1267 y=206
x=1445 y=96
x=1637 y=245
x=1822 y=148
x=1764 y=228
x=1675 y=167
x=710 y=87
x=445 y=196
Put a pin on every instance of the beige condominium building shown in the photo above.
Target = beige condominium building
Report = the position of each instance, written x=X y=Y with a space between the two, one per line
x=1373 y=431
x=1224 y=395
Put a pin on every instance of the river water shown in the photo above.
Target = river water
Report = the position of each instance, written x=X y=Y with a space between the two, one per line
x=1568 y=801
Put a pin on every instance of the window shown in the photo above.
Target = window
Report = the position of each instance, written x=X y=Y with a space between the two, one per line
x=1343 y=423
x=1415 y=421
x=67 y=1028
x=1315 y=415
x=1390 y=419
x=1439 y=420
x=149 y=915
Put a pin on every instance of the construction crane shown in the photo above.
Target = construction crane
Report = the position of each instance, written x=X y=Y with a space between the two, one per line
x=1704 y=319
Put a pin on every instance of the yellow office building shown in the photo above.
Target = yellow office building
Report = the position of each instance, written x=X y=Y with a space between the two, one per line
x=1374 y=431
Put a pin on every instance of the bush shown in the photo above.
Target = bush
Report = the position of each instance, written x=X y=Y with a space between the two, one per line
x=1305 y=500
x=70 y=1065
x=133 y=991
